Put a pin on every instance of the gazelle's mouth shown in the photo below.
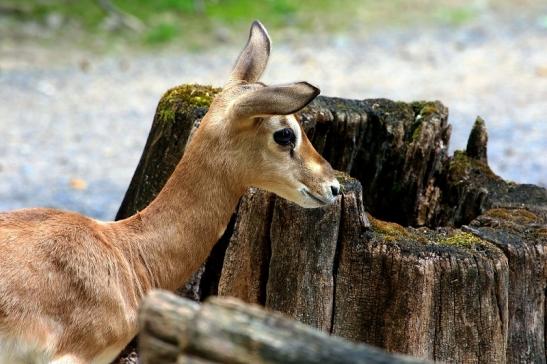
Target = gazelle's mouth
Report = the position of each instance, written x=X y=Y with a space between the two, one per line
x=307 y=193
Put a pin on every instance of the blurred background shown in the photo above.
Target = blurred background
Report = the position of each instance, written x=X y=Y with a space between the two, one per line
x=80 y=80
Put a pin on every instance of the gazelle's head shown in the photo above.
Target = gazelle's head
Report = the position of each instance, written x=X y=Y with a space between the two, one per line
x=262 y=142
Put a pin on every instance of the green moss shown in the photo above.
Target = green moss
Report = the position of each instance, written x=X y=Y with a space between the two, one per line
x=479 y=123
x=461 y=165
x=424 y=108
x=461 y=239
x=167 y=115
x=184 y=99
x=195 y=95
x=417 y=132
x=429 y=109
x=347 y=183
x=421 y=109
x=342 y=177
x=424 y=239
x=522 y=216
x=341 y=105
x=390 y=231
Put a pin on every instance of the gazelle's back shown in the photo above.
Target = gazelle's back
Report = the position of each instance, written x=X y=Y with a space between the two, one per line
x=59 y=273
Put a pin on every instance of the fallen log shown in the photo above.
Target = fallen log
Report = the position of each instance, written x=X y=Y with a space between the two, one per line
x=224 y=330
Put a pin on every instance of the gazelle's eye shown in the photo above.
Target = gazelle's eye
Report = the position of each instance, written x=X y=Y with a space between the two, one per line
x=285 y=137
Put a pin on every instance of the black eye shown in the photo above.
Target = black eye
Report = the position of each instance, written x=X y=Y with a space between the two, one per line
x=285 y=137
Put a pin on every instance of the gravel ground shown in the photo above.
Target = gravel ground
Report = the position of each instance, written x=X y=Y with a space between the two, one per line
x=73 y=125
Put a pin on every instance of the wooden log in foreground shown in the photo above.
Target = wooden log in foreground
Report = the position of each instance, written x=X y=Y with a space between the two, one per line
x=224 y=330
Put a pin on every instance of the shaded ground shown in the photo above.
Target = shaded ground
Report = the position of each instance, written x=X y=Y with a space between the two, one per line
x=73 y=125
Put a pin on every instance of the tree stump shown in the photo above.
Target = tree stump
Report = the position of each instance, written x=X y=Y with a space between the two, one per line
x=438 y=294
x=176 y=330
x=179 y=109
x=475 y=294
x=521 y=233
x=396 y=150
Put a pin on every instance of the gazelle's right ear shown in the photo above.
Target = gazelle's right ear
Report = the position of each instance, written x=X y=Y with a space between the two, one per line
x=273 y=100
x=253 y=59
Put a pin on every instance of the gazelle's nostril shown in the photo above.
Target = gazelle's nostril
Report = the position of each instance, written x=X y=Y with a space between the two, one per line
x=335 y=190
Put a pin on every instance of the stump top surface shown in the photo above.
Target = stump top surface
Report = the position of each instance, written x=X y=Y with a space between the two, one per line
x=427 y=242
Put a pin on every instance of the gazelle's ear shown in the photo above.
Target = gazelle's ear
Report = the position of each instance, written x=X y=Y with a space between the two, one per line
x=273 y=100
x=253 y=59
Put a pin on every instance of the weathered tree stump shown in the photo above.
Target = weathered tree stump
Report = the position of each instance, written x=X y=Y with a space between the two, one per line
x=475 y=294
x=470 y=188
x=177 y=112
x=438 y=294
x=297 y=251
x=521 y=233
x=176 y=330
x=303 y=247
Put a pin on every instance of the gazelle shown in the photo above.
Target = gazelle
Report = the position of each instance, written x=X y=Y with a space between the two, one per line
x=70 y=286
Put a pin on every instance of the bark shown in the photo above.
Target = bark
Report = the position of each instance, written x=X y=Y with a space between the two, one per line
x=229 y=331
x=470 y=188
x=246 y=263
x=301 y=280
x=398 y=151
x=521 y=233
x=478 y=140
x=394 y=149
x=164 y=327
x=303 y=245
x=437 y=294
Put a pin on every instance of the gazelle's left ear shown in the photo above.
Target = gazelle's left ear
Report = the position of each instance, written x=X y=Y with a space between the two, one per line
x=273 y=100
x=253 y=59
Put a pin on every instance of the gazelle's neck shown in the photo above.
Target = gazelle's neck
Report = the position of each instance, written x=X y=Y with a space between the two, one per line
x=174 y=235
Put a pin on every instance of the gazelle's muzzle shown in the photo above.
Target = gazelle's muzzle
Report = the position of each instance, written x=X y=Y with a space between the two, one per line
x=325 y=193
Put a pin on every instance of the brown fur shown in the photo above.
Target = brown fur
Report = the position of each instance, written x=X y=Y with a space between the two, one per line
x=70 y=286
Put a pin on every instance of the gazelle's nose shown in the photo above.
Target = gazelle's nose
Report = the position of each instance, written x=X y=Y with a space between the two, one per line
x=334 y=187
